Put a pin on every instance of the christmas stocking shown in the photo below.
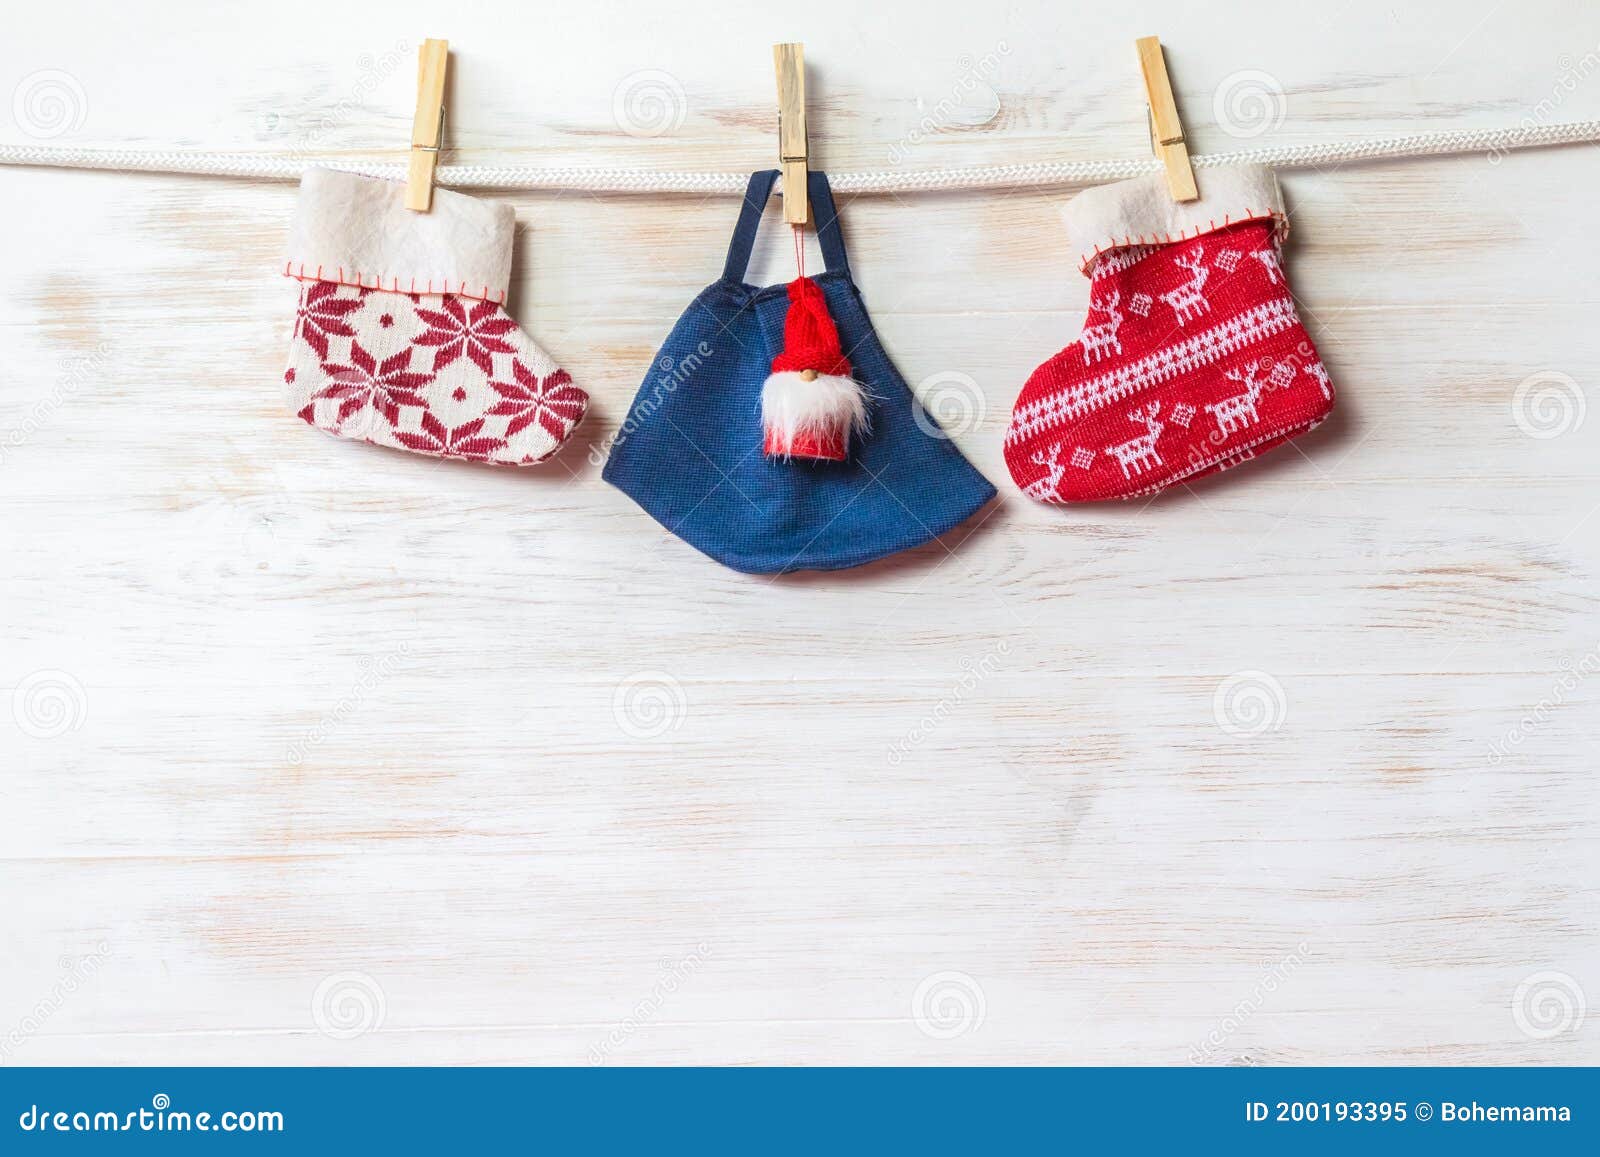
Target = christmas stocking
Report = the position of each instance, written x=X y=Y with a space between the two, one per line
x=402 y=338
x=1192 y=358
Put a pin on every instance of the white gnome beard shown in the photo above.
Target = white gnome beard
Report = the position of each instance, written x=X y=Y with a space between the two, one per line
x=794 y=406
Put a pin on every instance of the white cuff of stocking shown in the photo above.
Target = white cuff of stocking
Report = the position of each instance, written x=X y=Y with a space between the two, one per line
x=1142 y=211
x=357 y=231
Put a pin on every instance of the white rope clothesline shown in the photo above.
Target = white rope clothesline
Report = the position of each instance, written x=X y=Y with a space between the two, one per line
x=289 y=168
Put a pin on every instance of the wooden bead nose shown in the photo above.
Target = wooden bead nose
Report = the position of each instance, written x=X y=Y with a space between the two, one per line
x=808 y=375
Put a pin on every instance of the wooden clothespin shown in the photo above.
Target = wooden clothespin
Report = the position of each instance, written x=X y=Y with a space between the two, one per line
x=1166 y=130
x=427 y=128
x=790 y=62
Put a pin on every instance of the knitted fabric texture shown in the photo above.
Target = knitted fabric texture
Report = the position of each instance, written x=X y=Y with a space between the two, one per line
x=810 y=339
x=1192 y=358
x=689 y=450
x=447 y=374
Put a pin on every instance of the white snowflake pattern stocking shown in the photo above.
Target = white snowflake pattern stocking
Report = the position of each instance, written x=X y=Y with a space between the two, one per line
x=402 y=338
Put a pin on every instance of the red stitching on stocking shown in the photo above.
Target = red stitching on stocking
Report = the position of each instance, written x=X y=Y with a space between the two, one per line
x=360 y=280
x=1280 y=228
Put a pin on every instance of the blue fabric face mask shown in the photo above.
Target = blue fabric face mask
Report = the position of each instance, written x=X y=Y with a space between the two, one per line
x=690 y=449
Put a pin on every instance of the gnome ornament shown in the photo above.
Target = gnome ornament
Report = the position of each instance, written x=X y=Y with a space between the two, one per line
x=810 y=403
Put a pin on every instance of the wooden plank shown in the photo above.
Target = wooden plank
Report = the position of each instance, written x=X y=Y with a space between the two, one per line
x=347 y=711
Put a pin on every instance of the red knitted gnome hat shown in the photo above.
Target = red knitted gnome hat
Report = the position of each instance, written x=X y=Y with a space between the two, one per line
x=1192 y=358
x=810 y=403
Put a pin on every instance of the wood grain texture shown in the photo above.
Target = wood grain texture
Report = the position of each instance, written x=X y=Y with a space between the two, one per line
x=359 y=758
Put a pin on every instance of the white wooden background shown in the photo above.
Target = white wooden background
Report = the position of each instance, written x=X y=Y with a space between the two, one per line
x=319 y=753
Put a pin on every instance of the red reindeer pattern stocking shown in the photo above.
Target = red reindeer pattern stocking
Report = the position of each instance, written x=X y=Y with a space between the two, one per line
x=1192 y=358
